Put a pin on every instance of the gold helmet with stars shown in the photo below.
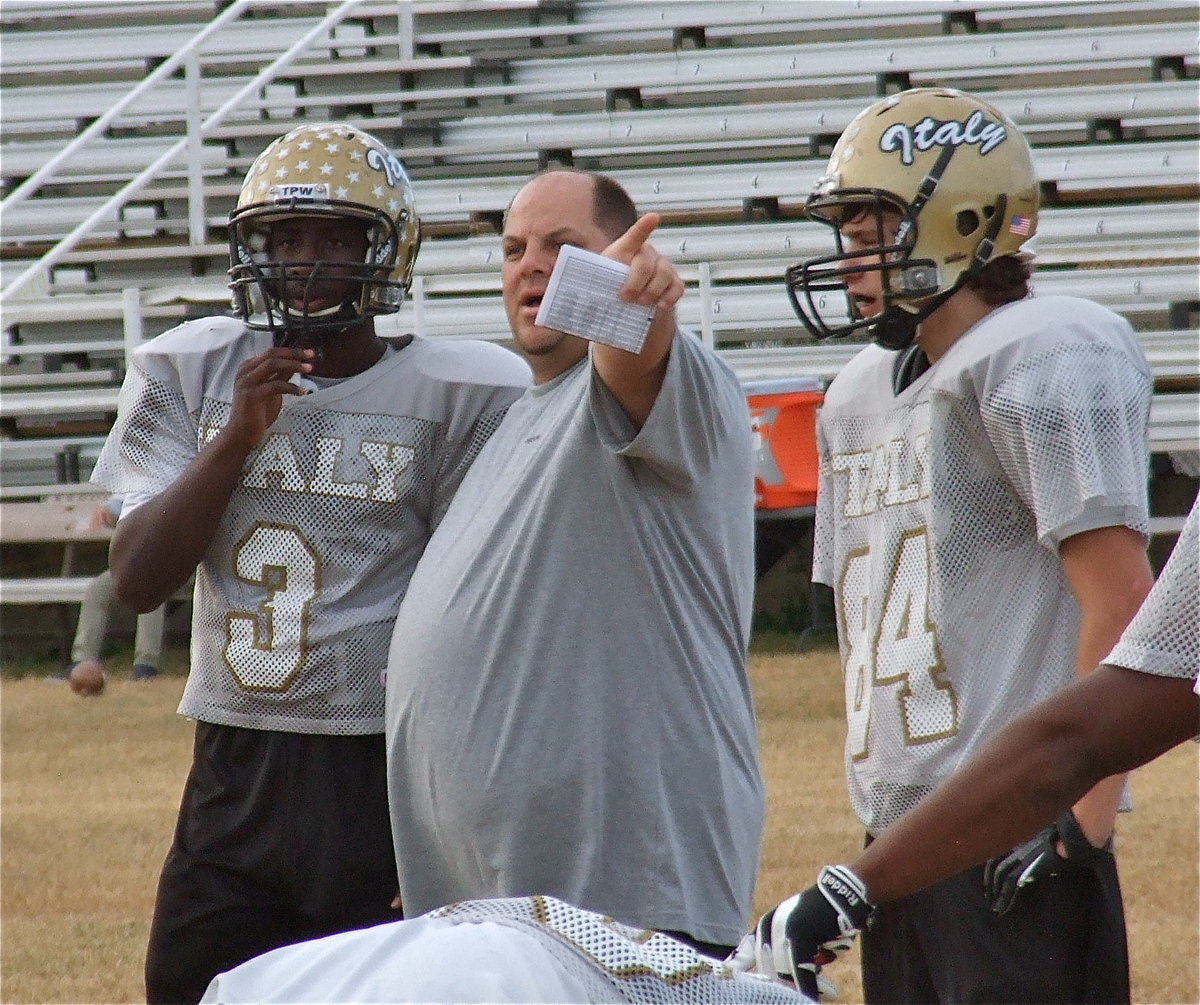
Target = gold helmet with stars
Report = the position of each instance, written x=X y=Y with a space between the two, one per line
x=328 y=170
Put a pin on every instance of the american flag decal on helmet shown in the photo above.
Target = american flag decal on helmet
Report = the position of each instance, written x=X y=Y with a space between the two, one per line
x=1019 y=226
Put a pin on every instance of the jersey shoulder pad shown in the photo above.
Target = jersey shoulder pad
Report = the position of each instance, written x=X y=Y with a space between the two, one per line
x=1013 y=336
x=471 y=361
x=203 y=335
x=864 y=371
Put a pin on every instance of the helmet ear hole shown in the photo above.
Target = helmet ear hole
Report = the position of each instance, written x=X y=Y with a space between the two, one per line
x=967 y=222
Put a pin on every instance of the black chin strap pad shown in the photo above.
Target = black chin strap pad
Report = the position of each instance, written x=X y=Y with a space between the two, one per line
x=895 y=329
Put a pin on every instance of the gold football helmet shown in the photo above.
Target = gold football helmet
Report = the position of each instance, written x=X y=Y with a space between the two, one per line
x=958 y=176
x=330 y=171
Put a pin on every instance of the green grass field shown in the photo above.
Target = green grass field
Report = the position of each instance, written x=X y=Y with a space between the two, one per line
x=90 y=788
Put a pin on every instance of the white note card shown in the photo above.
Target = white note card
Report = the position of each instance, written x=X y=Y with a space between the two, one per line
x=581 y=299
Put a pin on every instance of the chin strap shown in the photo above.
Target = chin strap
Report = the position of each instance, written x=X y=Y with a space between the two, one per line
x=897 y=327
x=314 y=336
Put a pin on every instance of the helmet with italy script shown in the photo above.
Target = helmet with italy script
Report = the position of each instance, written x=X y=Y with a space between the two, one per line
x=943 y=184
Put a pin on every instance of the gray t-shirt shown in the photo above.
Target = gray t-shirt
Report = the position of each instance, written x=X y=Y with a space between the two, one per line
x=568 y=711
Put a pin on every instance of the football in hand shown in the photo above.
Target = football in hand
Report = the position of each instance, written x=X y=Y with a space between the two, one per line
x=87 y=678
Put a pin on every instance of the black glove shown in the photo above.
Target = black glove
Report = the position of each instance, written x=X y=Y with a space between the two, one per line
x=1038 y=858
x=809 y=929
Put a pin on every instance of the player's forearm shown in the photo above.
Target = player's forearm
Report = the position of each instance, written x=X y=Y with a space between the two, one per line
x=1096 y=810
x=1028 y=773
x=1013 y=787
x=1110 y=577
x=156 y=547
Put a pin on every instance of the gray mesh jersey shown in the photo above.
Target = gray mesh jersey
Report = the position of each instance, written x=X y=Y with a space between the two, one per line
x=519 y=949
x=1164 y=637
x=297 y=593
x=568 y=707
x=939 y=516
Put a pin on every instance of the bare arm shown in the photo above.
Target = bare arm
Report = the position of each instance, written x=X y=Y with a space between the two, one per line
x=1109 y=722
x=156 y=547
x=1110 y=576
x=636 y=378
x=1061 y=754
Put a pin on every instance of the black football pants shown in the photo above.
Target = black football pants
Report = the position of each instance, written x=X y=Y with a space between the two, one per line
x=281 y=837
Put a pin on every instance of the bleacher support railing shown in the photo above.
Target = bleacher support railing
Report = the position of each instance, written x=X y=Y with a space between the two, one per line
x=196 y=133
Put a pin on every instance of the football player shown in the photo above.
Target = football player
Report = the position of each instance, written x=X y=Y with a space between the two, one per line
x=519 y=950
x=1139 y=704
x=982 y=520
x=297 y=461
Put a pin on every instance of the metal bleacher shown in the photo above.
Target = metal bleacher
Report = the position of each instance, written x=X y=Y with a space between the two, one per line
x=126 y=129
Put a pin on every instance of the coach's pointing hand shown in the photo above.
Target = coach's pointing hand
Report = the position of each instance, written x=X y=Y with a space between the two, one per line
x=653 y=280
x=635 y=378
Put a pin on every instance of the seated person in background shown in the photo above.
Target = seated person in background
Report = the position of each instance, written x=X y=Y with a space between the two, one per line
x=520 y=949
x=95 y=613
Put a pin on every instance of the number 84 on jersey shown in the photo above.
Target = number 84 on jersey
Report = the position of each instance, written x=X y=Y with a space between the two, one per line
x=893 y=659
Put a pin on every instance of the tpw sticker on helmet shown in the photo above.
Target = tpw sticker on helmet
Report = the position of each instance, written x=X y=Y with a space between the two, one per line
x=931 y=132
x=286 y=193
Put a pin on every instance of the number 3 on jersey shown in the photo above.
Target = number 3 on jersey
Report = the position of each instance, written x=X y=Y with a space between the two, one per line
x=901 y=650
x=267 y=647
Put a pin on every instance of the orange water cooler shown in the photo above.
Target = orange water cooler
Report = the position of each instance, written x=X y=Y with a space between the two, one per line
x=783 y=415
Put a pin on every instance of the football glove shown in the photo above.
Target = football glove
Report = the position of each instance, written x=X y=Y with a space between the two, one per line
x=743 y=959
x=809 y=929
x=1038 y=858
